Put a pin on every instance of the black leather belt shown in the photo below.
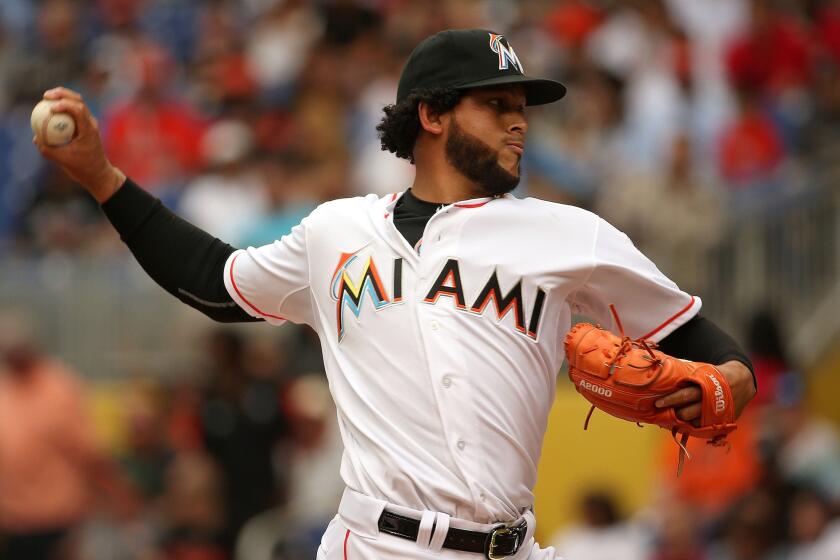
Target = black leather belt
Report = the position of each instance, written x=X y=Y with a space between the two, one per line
x=503 y=541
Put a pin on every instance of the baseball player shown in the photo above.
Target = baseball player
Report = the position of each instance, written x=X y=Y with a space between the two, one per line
x=441 y=309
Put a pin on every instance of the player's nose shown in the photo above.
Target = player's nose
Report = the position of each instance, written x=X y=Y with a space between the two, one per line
x=518 y=126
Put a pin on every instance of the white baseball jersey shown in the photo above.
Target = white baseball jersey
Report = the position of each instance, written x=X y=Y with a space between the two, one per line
x=443 y=361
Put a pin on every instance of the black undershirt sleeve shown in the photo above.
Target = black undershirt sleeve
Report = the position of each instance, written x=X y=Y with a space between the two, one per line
x=184 y=260
x=700 y=340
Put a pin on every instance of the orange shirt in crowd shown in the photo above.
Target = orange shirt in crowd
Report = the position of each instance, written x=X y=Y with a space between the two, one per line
x=46 y=445
x=715 y=476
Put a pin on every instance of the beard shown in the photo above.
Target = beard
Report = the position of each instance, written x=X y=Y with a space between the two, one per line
x=478 y=162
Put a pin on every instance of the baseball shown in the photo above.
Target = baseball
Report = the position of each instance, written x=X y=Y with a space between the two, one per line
x=53 y=129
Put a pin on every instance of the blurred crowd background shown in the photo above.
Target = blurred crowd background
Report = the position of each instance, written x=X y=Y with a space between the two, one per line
x=131 y=428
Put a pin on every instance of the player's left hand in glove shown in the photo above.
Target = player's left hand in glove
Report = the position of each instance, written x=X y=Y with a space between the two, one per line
x=626 y=378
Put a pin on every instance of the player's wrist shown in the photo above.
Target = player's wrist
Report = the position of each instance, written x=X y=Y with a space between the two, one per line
x=740 y=381
x=103 y=185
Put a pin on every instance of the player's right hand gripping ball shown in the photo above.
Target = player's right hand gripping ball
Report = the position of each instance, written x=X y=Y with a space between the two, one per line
x=625 y=377
x=52 y=129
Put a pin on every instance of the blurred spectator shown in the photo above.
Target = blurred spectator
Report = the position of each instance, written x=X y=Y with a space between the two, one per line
x=593 y=145
x=145 y=460
x=219 y=74
x=148 y=452
x=821 y=139
x=194 y=510
x=773 y=59
x=60 y=219
x=374 y=170
x=828 y=29
x=572 y=22
x=315 y=456
x=118 y=14
x=345 y=21
x=807 y=447
x=183 y=422
x=765 y=345
x=227 y=199
x=312 y=487
x=772 y=54
x=813 y=528
x=641 y=43
x=289 y=200
x=50 y=459
x=679 y=535
x=55 y=55
x=602 y=535
x=754 y=530
x=172 y=24
x=243 y=423
x=674 y=219
x=751 y=147
x=278 y=47
x=303 y=351
x=713 y=477
x=154 y=137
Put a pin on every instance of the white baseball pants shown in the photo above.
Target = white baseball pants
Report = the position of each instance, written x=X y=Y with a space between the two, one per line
x=354 y=534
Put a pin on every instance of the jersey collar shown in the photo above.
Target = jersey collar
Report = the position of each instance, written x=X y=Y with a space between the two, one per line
x=387 y=203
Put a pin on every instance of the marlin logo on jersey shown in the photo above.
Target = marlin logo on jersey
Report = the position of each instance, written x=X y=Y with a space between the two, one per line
x=507 y=56
x=350 y=294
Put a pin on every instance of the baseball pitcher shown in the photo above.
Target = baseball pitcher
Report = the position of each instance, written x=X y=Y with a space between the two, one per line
x=443 y=309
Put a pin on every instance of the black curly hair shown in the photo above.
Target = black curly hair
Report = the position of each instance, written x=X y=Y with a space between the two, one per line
x=399 y=127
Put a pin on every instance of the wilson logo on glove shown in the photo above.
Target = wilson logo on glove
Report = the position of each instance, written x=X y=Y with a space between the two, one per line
x=720 y=401
x=635 y=375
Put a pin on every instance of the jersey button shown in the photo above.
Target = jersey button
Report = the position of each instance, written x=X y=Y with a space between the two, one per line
x=483 y=497
x=435 y=325
x=446 y=381
x=461 y=444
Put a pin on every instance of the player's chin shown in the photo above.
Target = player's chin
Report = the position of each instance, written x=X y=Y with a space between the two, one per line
x=511 y=165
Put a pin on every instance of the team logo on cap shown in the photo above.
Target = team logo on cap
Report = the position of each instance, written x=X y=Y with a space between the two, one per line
x=507 y=56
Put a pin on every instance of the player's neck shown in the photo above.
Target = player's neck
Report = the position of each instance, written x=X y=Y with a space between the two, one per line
x=443 y=184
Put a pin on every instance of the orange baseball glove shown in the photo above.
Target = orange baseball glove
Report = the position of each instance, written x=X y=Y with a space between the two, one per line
x=625 y=377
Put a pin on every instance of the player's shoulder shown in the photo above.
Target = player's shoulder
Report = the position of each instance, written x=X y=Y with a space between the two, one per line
x=565 y=214
x=345 y=207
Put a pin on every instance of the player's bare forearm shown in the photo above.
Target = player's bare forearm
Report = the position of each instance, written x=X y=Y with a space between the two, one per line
x=83 y=158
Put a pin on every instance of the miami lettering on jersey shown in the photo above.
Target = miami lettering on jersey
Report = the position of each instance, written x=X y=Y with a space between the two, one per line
x=506 y=53
x=356 y=278
x=448 y=284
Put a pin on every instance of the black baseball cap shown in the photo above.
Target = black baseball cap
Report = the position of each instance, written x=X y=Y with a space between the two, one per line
x=471 y=58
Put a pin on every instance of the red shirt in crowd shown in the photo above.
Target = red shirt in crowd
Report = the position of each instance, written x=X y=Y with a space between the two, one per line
x=154 y=142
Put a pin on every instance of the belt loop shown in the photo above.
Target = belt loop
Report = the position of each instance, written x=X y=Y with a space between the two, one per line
x=439 y=534
x=427 y=527
x=360 y=513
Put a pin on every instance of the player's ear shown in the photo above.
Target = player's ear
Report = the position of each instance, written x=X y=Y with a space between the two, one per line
x=429 y=119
